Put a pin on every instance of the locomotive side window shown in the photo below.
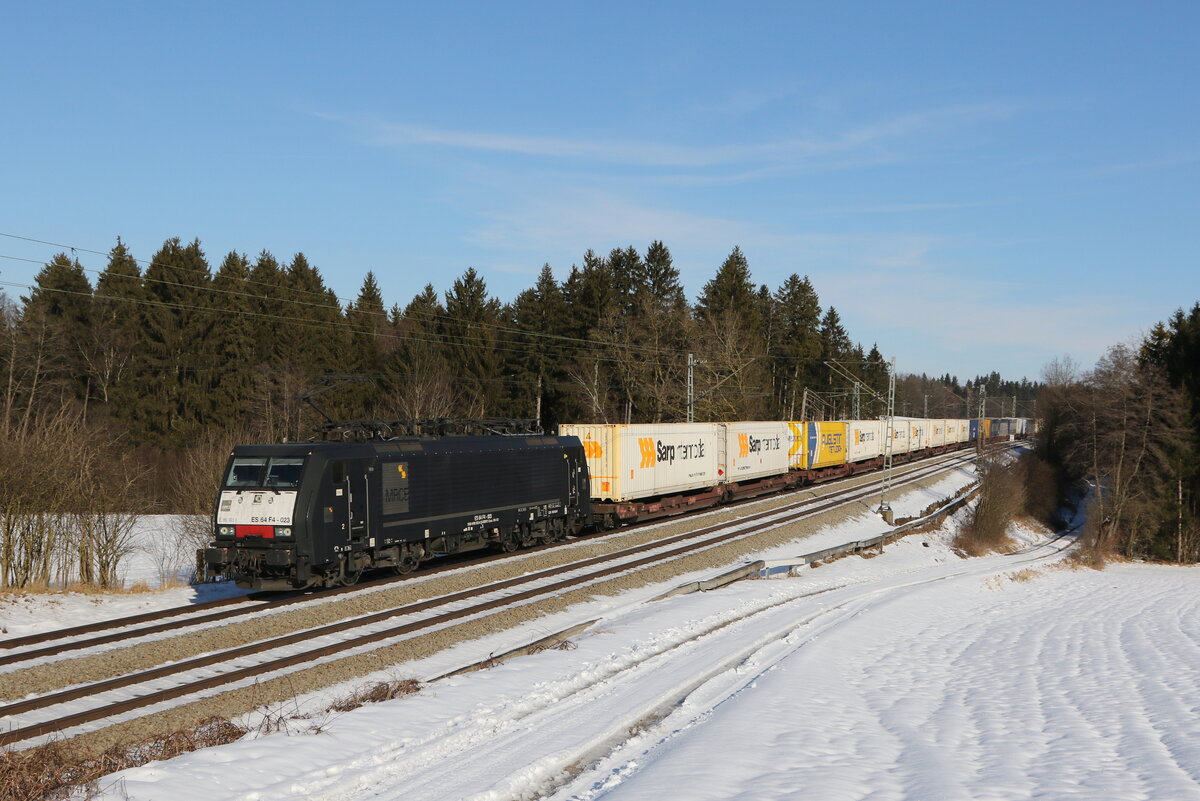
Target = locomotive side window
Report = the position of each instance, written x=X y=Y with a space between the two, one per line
x=284 y=473
x=245 y=473
x=337 y=472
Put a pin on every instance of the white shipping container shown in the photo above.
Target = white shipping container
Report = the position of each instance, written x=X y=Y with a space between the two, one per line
x=937 y=434
x=629 y=462
x=921 y=432
x=756 y=449
x=864 y=439
x=901 y=439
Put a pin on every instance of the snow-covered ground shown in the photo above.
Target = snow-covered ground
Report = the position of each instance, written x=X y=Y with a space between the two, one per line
x=158 y=558
x=912 y=675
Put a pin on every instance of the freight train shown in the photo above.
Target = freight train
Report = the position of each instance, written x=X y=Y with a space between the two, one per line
x=319 y=513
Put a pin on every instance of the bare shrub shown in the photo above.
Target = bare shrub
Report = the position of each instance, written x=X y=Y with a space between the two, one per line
x=57 y=771
x=1001 y=500
x=1094 y=550
x=68 y=503
x=374 y=693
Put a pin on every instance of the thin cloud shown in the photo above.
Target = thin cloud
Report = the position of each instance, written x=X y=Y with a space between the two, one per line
x=1177 y=160
x=904 y=208
x=798 y=148
x=564 y=222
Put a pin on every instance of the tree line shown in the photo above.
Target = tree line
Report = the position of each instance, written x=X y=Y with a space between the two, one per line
x=164 y=355
x=1130 y=428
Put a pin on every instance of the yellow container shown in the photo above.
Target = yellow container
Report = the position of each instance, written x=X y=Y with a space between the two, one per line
x=826 y=444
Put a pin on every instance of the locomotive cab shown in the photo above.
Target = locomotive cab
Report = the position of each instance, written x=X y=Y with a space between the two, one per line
x=261 y=520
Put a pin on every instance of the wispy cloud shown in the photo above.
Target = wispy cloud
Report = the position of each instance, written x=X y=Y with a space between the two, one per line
x=804 y=146
x=560 y=223
x=1174 y=160
x=904 y=208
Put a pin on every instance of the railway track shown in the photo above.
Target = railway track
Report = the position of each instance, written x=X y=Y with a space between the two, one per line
x=72 y=707
x=130 y=628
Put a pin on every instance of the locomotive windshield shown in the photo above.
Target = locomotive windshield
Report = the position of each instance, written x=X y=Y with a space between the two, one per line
x=259 y=471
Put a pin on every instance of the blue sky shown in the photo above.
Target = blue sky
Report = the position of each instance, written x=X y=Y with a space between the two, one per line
x=975 y=186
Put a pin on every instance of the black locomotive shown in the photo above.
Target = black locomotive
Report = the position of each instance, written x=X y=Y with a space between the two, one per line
x=320 y=513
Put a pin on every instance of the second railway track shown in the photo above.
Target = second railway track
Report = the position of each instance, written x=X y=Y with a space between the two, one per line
x=129 y=628
x=70 y=707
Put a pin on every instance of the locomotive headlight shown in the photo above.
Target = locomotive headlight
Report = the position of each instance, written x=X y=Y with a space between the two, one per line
x=283 y=531
x=225 y=531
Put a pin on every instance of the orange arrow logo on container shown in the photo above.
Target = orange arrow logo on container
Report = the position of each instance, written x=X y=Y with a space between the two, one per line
x=592 y=450
x=646 y=446
x=743 y=445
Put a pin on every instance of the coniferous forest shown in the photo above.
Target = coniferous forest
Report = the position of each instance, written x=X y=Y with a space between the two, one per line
x=166 y=351
x=125 y=387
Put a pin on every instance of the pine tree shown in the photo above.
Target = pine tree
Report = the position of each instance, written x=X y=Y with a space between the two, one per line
x=268 y=282
x=58 y=314
x=115 y=333
x=317 y=337
x=369 y=331
x=731 y=345
x=471 y=338
x=629 y=277
x=662 y=279
x=797 y=347
x=418 y=382
x=535 y=357
x=591 y=293
x=232 y=345
x=835 y=344
x=167 y=399
x=731 y=290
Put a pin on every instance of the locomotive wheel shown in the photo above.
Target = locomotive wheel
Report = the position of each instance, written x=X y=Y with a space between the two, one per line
x=509 y=541
x=350 y=578
x=406 y=566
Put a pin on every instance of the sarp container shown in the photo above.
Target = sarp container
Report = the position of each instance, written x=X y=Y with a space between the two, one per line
x=937 y=435
x=864 y=439
x=902 y=441
x=920 y=433
x=756 y=449
x=628 y=462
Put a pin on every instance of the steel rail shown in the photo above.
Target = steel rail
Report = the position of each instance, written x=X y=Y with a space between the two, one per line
x=845 y=496
x=274 y=600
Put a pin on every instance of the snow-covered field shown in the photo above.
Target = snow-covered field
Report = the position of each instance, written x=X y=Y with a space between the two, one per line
x=912 y=675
